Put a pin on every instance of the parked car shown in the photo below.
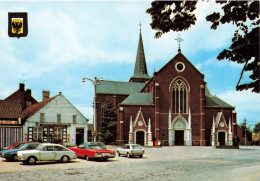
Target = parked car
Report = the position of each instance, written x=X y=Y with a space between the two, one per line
x=46 y=152
x=131 y=150
x=11 y=154
x=93 y=150
x=16 y=144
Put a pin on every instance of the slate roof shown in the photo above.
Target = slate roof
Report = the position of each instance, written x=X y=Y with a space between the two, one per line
x=115 y=87
x=140 y=63
x=10 y=109
x=139 y=99
x=35 y=108
x=214 y=101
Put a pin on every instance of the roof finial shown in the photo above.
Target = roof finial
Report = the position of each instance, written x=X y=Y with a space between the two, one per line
x=140 y=26
x=179 y=40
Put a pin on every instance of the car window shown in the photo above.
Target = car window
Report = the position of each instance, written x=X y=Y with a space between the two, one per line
x=136 y=147
x=21 y=146
x=81 y=147
x=48 y=148
x=30 y=147
x=59 y=148
x=39 y=147
x=96 y=147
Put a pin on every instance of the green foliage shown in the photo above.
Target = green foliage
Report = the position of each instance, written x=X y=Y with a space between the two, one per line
x=247 y=128
x=179 y=16
x=108 y=122
x=257 y=128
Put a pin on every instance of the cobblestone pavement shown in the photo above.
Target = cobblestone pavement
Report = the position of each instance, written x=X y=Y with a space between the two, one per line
x=166 y=163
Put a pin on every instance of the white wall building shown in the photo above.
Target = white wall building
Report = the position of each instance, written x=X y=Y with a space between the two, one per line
x=55 y=119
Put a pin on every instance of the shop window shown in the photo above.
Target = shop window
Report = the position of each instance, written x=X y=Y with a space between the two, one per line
x=37 y=134
x=57 y=134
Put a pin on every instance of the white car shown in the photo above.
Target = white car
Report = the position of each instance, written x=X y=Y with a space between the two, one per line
x=131 y=150
x=46 y=152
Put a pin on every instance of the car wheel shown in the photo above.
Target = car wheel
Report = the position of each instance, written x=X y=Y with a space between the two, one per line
x=140 y=156
x=87 y=158
x=128 y=155
x=31 y=160
x=14 y=158
x=64 y=159
x=118 y=153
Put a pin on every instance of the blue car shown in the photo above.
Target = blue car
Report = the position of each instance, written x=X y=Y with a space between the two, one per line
x=11 y=155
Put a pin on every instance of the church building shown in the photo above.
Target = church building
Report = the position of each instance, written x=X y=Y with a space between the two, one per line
x=173 y=106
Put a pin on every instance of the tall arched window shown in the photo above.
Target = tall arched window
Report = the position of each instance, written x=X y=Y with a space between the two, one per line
x=179 y=97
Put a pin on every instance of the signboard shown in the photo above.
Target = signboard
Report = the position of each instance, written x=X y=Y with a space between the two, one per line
x=17 y=25
x=8 y=122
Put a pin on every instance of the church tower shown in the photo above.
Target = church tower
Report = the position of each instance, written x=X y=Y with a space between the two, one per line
x=140 y=72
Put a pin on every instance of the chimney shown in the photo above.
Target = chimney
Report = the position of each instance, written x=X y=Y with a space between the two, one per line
x=29 y=92
x=21 y=86
x=45 y=95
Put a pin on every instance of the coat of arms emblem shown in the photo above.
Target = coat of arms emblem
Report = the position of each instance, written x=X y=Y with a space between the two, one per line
x=17 y=24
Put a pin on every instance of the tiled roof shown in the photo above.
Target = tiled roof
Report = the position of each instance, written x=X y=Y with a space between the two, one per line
x=35 y=108
x=115 y=87
x=214 y=101
x=23 y=96
x=10 y=109
x=139 y=99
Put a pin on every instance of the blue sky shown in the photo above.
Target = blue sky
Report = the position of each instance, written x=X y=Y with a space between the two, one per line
x=70 y=40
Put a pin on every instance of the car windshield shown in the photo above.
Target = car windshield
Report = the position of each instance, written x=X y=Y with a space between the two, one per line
x=20 y=146
x=135 y=147
x=96 y=147
x=39 y=147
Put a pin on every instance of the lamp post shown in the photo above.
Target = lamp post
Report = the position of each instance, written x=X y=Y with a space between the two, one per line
x=94 y=82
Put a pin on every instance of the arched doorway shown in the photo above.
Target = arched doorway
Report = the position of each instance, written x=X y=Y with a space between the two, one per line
x=221 y=138
x=140 y=137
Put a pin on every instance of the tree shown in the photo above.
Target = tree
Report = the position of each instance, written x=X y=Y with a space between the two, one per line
x=179 y=16
x=257 y=128
x=108 y=122
x=246 y=130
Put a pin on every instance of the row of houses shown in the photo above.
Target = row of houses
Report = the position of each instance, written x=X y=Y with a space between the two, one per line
x=54 y=119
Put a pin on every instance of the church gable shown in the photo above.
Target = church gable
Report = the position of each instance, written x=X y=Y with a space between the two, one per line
x=220 y=121
x=139 y=120
x=180 y=65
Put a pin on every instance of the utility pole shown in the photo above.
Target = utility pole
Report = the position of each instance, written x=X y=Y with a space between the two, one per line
x=245 y=132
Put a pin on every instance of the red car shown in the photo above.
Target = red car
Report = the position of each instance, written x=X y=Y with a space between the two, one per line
x=93 y=150
x=16 y=144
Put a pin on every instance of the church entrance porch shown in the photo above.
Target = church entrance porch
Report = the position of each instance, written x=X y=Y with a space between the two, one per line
x=140 y=137
x=179 y=137
x=221 y=138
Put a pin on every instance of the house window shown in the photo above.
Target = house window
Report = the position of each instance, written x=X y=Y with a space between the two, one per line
x=74 y=119
x=179 y=97
x=42 y=117
x=59 y=118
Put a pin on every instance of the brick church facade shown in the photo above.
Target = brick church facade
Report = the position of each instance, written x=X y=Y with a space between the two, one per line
x=174 y=106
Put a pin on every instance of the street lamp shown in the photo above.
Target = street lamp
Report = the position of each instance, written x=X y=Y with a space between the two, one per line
x=94 y=82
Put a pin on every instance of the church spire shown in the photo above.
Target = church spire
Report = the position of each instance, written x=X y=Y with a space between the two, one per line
x=140 y=71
